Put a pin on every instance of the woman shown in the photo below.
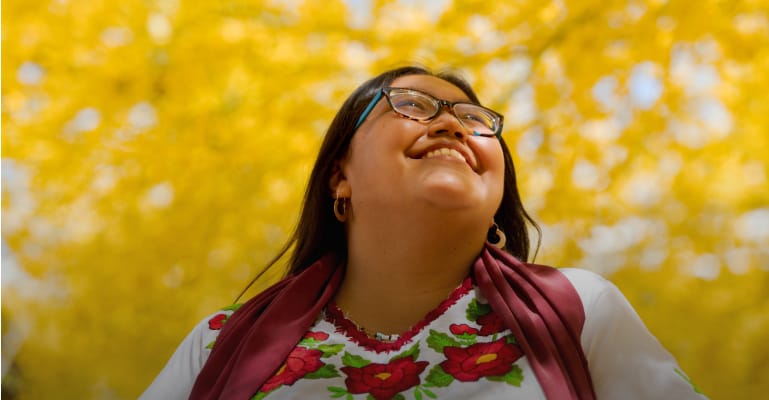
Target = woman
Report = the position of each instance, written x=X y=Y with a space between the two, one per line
x=405 y=279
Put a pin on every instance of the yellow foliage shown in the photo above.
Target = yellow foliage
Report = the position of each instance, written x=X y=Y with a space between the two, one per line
x=155 y=155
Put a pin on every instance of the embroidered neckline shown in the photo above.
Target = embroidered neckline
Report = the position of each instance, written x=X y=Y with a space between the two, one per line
x=334 y=315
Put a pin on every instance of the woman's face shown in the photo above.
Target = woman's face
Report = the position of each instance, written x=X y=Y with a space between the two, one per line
x=395 y=164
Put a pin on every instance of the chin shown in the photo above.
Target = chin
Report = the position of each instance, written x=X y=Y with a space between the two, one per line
x=451 y=197
x=451 y=183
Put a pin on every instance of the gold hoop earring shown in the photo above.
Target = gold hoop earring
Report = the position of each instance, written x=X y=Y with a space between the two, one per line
x=496 y=237
x=340 y=212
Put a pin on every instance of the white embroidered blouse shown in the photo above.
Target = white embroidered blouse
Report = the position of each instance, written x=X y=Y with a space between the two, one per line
x=460 y=350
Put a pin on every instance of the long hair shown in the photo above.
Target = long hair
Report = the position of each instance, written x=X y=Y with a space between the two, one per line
x=318 y=231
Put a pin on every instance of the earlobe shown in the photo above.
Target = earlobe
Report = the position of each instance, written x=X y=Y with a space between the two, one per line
x=340 y=191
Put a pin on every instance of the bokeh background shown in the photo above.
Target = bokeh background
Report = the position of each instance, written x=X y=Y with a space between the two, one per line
x=155 y=152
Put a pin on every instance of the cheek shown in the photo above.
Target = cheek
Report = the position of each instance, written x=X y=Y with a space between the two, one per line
x=355 y=166
x=494 y=163
x=491 y=156
x=374 y=153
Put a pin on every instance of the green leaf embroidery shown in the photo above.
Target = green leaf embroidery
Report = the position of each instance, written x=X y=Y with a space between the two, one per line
x=476 y=309
x=398 y=396
x=232 y=307
x=326 y=371
x=438 y=378
x=417 y=394
x=337 y=392
x=437 y=341
x=429 y=393
x=467 y=339
x=510 y=339
x=211 y=345
x=514 y=377
x=350 y=360
x=259 y=396
x=308 y=342
x=412 y=352
x=330 y=349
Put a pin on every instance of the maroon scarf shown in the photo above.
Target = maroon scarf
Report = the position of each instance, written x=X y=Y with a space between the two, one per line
x=537 y=303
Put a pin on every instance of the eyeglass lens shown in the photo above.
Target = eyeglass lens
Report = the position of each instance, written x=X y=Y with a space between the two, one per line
x=420 y=106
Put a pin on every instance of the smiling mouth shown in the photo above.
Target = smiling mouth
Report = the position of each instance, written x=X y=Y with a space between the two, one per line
x=445 y=152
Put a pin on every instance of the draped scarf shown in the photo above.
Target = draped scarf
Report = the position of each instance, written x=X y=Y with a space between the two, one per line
x=537 y=303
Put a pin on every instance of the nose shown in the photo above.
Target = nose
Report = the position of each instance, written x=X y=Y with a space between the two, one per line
x=446 y=123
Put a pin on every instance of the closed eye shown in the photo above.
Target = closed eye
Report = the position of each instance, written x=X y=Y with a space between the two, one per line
x=409 y=104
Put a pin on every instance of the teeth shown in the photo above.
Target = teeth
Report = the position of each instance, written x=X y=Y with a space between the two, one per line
x=445 y=152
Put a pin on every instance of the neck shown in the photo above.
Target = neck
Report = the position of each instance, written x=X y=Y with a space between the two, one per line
x=402 y=269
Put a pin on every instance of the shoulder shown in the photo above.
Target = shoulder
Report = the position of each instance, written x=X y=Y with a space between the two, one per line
x=176 y=379
x=216 y=320
x=212 y=324
x=590 y=286
x=196 y=347
x=582 y=277
x=622 y=354
x=602 y=301
x=603 y=304
x=591 y=289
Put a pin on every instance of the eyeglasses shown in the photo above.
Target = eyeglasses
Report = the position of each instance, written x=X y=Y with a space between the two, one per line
x=420 y=106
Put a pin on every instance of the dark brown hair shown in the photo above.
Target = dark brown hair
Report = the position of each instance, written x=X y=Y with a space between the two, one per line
x=318 y=232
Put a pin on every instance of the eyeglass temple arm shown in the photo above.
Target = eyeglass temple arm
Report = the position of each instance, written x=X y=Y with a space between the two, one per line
x=368 y=109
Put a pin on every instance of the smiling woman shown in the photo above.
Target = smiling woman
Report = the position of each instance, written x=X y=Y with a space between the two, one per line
x=408 y=278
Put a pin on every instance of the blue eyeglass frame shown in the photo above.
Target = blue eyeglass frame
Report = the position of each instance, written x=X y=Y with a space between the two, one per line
x=442 y=102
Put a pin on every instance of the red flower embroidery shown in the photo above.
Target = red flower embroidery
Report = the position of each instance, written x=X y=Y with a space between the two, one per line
x=462 y=329
x=319 y=336
x=217 y=322
x=383 y=381
x=482 y=359
x=490 y=324
x=299 y=363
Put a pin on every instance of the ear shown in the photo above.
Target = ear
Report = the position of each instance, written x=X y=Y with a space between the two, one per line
x=338 y=183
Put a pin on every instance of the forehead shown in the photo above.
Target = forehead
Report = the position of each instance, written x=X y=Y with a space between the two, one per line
x=432 y=85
